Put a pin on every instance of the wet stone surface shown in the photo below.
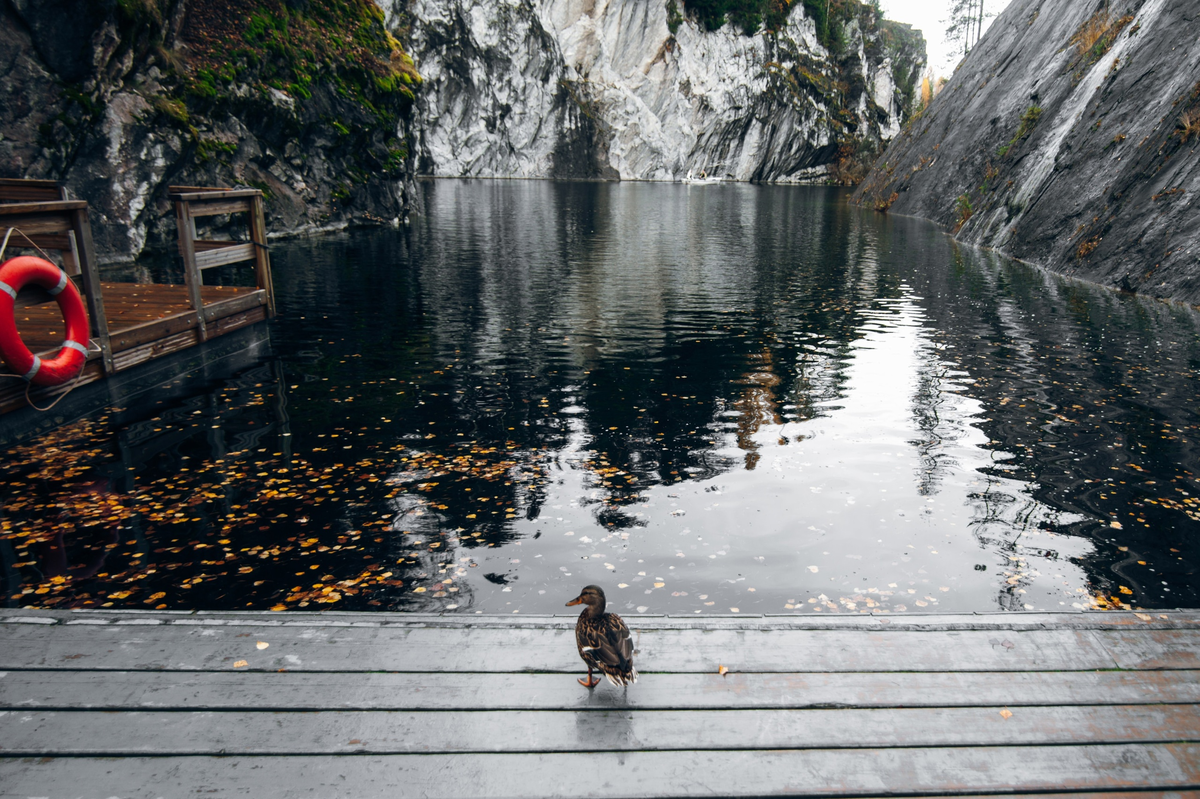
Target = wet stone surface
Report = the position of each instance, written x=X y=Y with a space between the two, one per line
x=718 y=399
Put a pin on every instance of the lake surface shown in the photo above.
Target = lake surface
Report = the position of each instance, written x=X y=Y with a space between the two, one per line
x=707 y=399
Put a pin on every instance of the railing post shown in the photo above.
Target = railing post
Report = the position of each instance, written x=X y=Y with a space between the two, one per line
x=89 y=271
x=262 y=258
x=191 y=275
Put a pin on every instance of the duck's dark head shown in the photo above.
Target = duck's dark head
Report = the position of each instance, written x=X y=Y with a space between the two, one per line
x=593 y=597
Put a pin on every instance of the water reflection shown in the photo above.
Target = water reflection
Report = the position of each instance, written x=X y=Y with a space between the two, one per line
x=723 y=399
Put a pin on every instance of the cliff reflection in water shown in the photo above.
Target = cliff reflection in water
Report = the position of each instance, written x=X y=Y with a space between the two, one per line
x=707 y=399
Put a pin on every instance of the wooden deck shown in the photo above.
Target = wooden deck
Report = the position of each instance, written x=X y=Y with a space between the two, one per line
x=162 y=704
x=145 y=321
x=130 y=323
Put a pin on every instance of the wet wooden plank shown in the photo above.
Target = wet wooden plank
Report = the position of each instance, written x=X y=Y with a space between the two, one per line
x=818 y=772
x=190 y=644
x=1003 y=621
x=84 y=690
x=137 y=313
x=155 y=349
x=1155 y=649
x=106 y=734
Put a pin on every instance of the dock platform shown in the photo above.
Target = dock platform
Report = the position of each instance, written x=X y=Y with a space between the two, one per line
x=130 y=323
x=131 y=704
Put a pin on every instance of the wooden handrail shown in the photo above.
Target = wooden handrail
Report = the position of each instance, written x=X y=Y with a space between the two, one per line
x=200 y=254
x=219 y=195
x=61 y=225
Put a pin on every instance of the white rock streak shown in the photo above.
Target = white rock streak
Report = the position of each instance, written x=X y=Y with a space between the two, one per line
x=601 y=88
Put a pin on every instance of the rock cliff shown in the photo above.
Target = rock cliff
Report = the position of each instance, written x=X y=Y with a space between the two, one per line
x=119 y=98
x=1069 y=137
x=637 y=90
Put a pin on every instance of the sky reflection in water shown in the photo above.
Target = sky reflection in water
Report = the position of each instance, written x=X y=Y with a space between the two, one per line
x=721 y=399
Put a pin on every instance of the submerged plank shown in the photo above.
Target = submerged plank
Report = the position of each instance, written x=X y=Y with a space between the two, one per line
x=87 y=690
x=106 y=734
x=198 y=646
x=620 y=774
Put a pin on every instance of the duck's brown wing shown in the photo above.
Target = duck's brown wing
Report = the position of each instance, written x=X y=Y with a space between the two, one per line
x=614 y=645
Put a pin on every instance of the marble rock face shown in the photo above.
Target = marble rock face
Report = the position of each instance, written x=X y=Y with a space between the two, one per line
x=1078 y=153
x=600 y=88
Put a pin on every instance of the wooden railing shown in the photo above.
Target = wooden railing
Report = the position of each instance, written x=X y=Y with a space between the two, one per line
x=191 y=203
x=36 y=216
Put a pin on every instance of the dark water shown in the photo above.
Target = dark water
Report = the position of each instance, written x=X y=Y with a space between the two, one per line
x=705 y=399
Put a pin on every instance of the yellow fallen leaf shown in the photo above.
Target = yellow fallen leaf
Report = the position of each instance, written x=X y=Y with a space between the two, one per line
x=722 y=670
x=262 y=645
x=1006 y=713
x=240 y=664
x=1144 y=616
x=659 y=585
x=1125 y=590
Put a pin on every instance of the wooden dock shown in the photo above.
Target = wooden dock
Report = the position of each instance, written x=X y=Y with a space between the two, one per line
x=131 y=323
x=133 y=704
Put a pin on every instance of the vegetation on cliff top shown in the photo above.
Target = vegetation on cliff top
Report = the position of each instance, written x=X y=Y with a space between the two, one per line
x=831 y=16
x=292 y=46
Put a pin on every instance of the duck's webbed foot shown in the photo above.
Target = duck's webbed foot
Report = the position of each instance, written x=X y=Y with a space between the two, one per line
x=589 y=682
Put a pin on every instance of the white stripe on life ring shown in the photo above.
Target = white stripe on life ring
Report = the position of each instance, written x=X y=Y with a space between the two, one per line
x=75 y=345
x=37 y=365
x=62 y=284
x=7 y=289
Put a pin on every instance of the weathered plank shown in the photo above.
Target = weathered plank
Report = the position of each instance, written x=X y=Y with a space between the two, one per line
x=818 y=772
x=215 y=311
x=192 y=645
x=1154 y=649
x=86 y=690
x=199 y=194
x=22 y=190
x=232 y=253
x=104 y=734
x=1025 y=620
x=216 y=207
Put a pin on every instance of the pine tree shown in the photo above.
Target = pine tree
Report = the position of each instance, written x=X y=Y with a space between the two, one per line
x=965 y=24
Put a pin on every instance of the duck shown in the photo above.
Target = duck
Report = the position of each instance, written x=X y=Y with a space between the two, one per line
x=603 y=640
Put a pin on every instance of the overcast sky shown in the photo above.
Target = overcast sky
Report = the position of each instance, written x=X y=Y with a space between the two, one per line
x=929 y=16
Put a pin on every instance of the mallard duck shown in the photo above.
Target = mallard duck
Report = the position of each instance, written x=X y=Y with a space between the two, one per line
x=603 y=640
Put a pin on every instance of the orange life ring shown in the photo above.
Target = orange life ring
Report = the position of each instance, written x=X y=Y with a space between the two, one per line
x=14 y=275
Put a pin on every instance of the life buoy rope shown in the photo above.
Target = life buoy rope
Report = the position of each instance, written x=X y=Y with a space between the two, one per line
x=15 y=274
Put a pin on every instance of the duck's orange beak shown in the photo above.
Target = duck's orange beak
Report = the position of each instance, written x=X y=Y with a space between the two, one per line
x=576 y=601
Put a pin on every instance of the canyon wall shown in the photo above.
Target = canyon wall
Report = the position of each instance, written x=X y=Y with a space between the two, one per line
x=606 y=89
x=1068 y=137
